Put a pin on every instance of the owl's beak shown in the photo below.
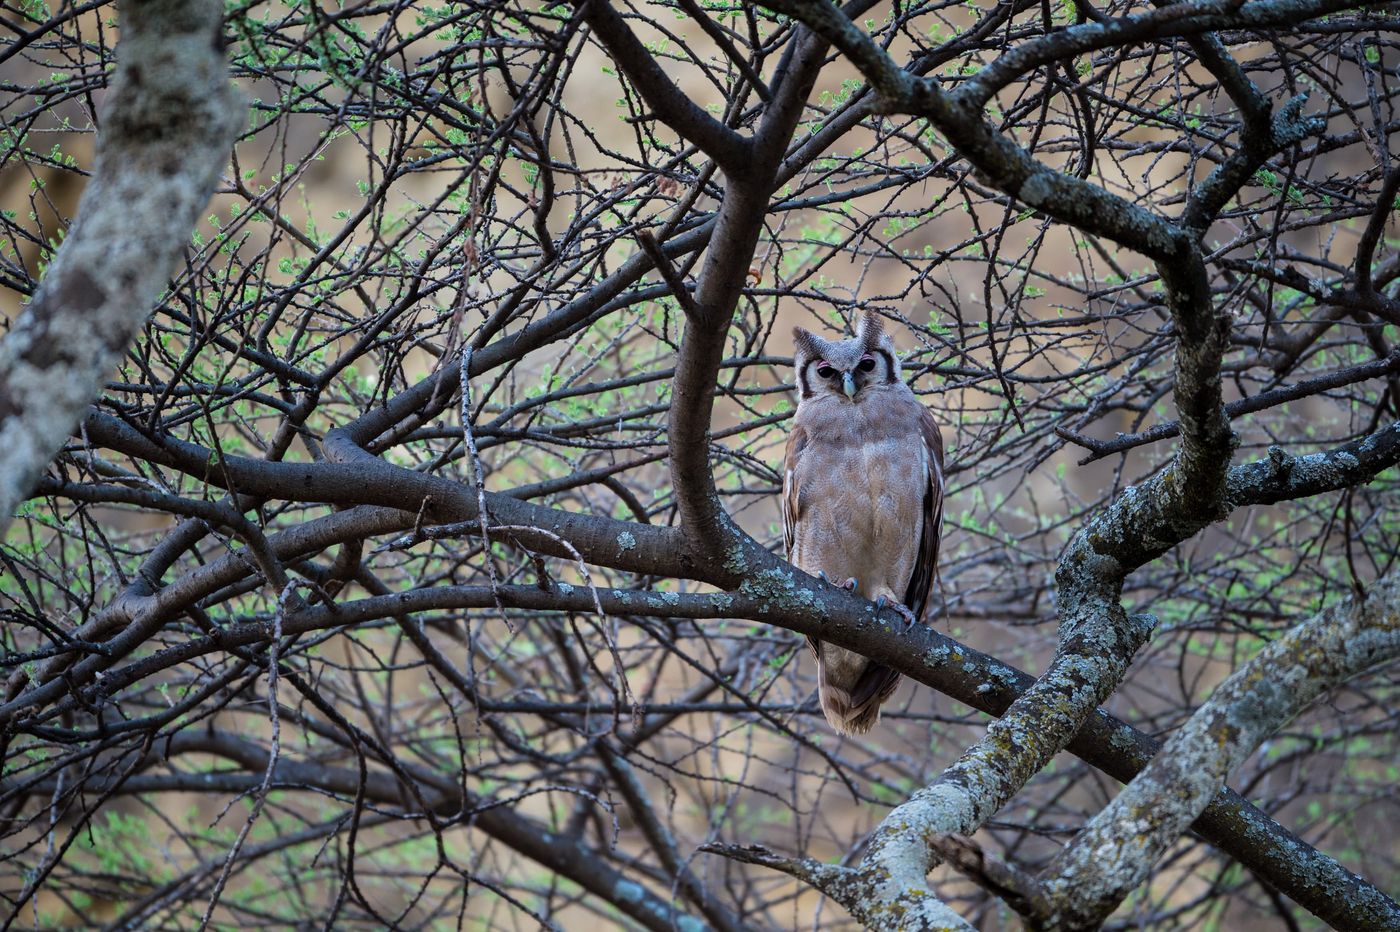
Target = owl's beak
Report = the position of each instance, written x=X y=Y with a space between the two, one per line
x=848 y=385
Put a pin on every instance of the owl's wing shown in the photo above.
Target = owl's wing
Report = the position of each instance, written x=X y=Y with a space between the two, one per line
x=926 y=559
x=797 y=442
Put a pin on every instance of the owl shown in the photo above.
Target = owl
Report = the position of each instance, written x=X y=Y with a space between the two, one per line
x=862 y=499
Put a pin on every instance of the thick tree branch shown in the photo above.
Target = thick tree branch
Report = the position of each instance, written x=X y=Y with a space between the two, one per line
x=354 y=477
x=1284 y=477
x=1371 y=236
x=781 y=596
x=713 y=538
x=1260 y=139
x=670 y=105
x=1112 y=855
x=166 y=133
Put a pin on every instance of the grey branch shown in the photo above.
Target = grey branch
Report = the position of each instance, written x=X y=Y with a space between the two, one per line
x=1115 y=851
x=165 y=136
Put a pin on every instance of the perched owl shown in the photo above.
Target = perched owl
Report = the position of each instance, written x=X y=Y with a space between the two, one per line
x=862 y=499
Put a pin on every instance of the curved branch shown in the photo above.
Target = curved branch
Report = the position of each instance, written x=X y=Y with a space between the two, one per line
x=1004 y=163
x=1176 y=19
x=1282 y=477
x=354 y=477
x=713 y=539
x=670 y=105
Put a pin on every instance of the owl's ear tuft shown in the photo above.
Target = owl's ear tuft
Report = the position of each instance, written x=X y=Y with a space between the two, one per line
x=870 y=329
x=806 y=342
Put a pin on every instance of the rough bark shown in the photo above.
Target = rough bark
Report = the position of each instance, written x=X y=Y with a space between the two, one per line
x=166 y=131
x=1112 y=855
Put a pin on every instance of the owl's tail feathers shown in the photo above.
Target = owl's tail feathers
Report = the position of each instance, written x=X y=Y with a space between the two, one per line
x=855 y=711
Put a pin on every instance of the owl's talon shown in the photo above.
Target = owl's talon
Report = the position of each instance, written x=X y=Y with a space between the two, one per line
x=904 y=611
x=850 y=584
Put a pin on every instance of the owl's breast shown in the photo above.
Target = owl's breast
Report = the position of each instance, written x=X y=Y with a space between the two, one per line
x=862 y=482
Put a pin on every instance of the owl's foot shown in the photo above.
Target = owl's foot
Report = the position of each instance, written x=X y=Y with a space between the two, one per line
x=904 y=611
x=849 y=585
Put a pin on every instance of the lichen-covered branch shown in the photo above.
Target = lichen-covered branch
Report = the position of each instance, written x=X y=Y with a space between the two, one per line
x=166 y=132
x=1284 y=477
x=1111 y=856
x=574 y=620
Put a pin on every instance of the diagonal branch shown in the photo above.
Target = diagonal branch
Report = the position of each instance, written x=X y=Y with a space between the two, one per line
x=166 y=134
x=1004 y=163
x=670 y=105
x=714 y=541
x=1113 y=854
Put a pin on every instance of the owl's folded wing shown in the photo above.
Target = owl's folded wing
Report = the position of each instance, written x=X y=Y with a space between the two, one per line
x=797 y=442
x=926 y=560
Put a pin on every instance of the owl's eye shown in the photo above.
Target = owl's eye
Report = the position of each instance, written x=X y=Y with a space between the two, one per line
x=826 y=372
x=866 y=363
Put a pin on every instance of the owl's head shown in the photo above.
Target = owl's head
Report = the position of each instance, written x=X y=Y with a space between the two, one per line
x=843 y=367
